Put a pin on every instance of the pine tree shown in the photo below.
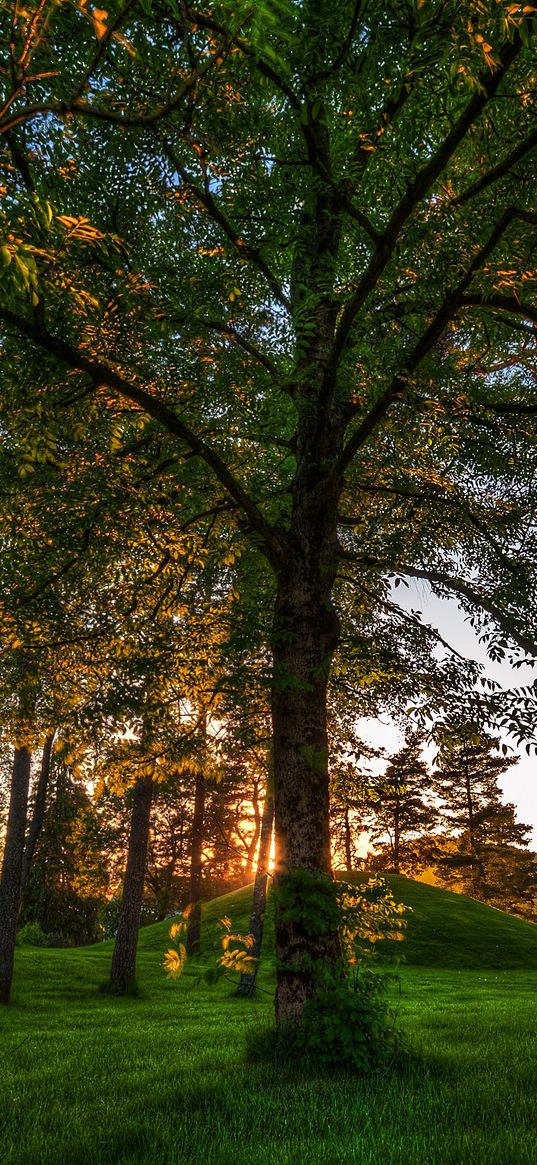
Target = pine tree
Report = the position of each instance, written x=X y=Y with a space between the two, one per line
x=350 y=812
x=67 y=883
x=402 y=810
x=490 y=859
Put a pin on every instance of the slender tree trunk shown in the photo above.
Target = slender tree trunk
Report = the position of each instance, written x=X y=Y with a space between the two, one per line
x=348 y=839
x=249 y=867
x=396 y=840
x=193 y=934
x=38 y=809
x=123 y=971
x=11 y=877
x=477 y=864
x=259 y=898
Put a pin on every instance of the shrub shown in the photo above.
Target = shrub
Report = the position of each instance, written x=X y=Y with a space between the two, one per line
x=32 y=935
x=350 y=1024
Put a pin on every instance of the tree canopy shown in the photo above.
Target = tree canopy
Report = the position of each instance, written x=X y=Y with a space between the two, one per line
x=293 y=246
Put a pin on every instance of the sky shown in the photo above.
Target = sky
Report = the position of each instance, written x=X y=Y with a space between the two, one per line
x=520 y=782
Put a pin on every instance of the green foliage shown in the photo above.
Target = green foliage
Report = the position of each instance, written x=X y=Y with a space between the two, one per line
x=363 y=914
x=66 y=890
x=368 y=914
x=347 y=1022
x=32 y=935
x=233 y=957
x=350 y=1024
x=308 y=899
x=402 y=810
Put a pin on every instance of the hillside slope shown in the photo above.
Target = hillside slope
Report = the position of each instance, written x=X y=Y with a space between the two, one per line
x=444 y=929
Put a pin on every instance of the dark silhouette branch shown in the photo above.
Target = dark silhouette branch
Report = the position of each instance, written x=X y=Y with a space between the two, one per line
x=448 y=309
x=417 y=190
x=524 y=147
x=101 y=374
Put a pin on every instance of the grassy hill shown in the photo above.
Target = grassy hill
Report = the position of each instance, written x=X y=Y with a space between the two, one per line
x=89 y=1079
x=443 y=930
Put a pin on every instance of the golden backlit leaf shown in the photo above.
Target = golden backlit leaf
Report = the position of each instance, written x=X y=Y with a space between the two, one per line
x=100 y=17
x=177 y=929
x=172 y=963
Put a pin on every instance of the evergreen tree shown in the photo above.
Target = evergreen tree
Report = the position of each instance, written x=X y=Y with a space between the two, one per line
x=350 y=812
x=510 y=864
x=401 y=807
x=490 y=859
x=67 y=884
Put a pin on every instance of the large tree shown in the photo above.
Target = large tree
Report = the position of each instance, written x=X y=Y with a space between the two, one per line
x=297 y=237
x=403 y=810
x=472 y=806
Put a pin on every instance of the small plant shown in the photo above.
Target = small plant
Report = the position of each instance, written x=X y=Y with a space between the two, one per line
x=368 y=914
x=176 y=957
x=235 y=955
x=349 y=1024
x=32 y=935
x=348 y=1021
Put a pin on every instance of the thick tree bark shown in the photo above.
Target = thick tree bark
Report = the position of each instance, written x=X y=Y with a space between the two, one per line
x=11 y=878
x=247 y=981
x=123 y=971
x=38 y=809
x=306 y=631
x=193 y=934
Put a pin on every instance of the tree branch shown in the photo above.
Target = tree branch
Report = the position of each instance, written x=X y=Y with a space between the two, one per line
x=226 y=329
x=508 y=303
x=467 y=591
x=524 y=147
x=445 y=313
x=101 y=374
x=416 y=191
x=218 y=216
x=80 y=107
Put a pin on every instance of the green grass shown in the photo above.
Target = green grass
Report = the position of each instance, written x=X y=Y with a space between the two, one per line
x=443 y=929
x=87 y=1079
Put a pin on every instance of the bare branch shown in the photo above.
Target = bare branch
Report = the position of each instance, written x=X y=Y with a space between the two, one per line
x=467 y=591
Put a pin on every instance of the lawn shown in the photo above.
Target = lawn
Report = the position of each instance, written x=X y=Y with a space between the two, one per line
x=164 y=1078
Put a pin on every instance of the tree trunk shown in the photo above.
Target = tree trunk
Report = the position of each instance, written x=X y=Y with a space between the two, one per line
x=305 y=635
x=396 y=840
x=123 y=971
x=11 y=878
x=193 y=934
x=250 y=857
x=259 y=898
x=348 y=845
x=39 y=808
x=477 y=865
